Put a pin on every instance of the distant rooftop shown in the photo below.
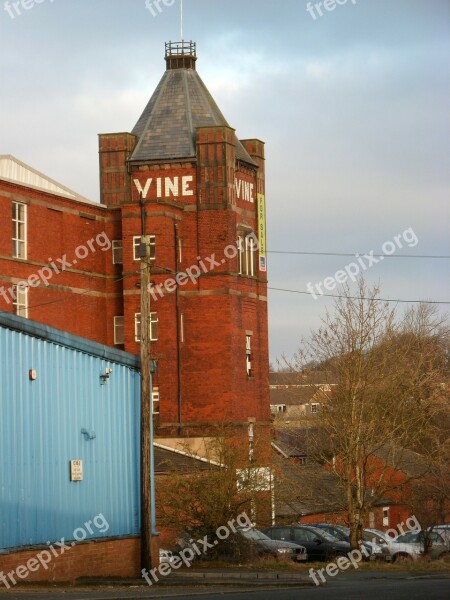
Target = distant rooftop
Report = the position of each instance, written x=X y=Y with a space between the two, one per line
x=15 y=171
x=181 y=102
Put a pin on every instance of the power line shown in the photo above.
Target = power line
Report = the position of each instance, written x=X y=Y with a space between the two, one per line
x=357 y=254
x=398 y=301
x=71 y=297
x=300 y=292
x=189 y=246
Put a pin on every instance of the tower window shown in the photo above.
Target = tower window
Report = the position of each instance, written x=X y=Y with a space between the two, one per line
x=248 y=354
x=20 y=302
x=247 y=246
x=117 y=252
x=155 y=400
x=119 y=330
x=19 y=230
x=153 y=327
x=182 y=328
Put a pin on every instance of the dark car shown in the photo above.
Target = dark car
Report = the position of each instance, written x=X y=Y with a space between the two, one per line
x=256 y=544
x=262 y=545
x=319 y=544
x=373 y=549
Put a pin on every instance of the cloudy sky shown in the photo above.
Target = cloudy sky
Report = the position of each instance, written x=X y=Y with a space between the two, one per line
x=353 y=106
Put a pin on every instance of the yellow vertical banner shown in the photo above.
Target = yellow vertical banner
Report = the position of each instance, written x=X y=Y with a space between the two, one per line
x=262 y=232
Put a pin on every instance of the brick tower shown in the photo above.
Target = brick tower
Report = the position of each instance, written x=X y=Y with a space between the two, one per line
x=201 y=192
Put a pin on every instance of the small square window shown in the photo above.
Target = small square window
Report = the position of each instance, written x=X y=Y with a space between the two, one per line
x=137 y=247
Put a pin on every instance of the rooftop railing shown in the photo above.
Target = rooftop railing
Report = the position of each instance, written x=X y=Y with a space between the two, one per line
x=181 y=49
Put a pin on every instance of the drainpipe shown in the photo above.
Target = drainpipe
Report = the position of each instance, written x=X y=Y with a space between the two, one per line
x=178 y=316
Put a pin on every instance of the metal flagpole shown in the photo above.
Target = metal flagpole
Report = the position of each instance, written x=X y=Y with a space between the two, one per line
x=182 y=20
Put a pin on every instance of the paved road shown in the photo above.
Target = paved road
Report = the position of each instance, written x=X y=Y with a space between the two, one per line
x=360 y=586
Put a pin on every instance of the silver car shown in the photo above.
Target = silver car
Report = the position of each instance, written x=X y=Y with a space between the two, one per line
x=444 y=532
x=410 y=546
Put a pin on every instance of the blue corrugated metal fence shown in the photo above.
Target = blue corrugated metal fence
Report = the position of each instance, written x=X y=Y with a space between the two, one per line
x=40 y=432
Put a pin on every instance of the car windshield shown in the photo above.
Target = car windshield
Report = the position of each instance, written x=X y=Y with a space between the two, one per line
x=409 y=538
x=322 y=533
x=373 y=536
x=254 y=534
x=338 y=533
x=345 y=530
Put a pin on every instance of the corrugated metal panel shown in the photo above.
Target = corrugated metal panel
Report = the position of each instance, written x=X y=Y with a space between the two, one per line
x=40 y=432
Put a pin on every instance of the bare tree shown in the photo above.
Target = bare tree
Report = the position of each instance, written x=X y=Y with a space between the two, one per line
x=217 y=488
x=379 y=420
x=430 y=500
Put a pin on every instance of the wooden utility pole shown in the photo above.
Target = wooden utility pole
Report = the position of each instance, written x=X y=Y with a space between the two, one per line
x=146 y=407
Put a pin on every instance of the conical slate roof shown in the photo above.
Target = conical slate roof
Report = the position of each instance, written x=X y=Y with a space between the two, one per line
x=166 y=129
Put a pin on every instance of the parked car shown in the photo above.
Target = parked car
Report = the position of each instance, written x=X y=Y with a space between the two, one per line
x=378 y=542
x=256 y=542
x=262 y=545
x=416 y=539
x=410 y=546
x=444 y=532
x=372 y=547
x=319 y=544
x=335 y=530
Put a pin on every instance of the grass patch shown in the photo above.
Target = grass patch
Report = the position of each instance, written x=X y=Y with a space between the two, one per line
x=271 y=564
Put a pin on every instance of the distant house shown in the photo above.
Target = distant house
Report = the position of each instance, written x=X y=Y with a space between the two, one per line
x=303 y=491
x=314 y=494
x=292 y=444
x=293 y=395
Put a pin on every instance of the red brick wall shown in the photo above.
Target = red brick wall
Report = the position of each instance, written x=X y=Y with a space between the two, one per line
x=113 y=558
x=114 y=150
x=81 y=299
x=397 y=515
